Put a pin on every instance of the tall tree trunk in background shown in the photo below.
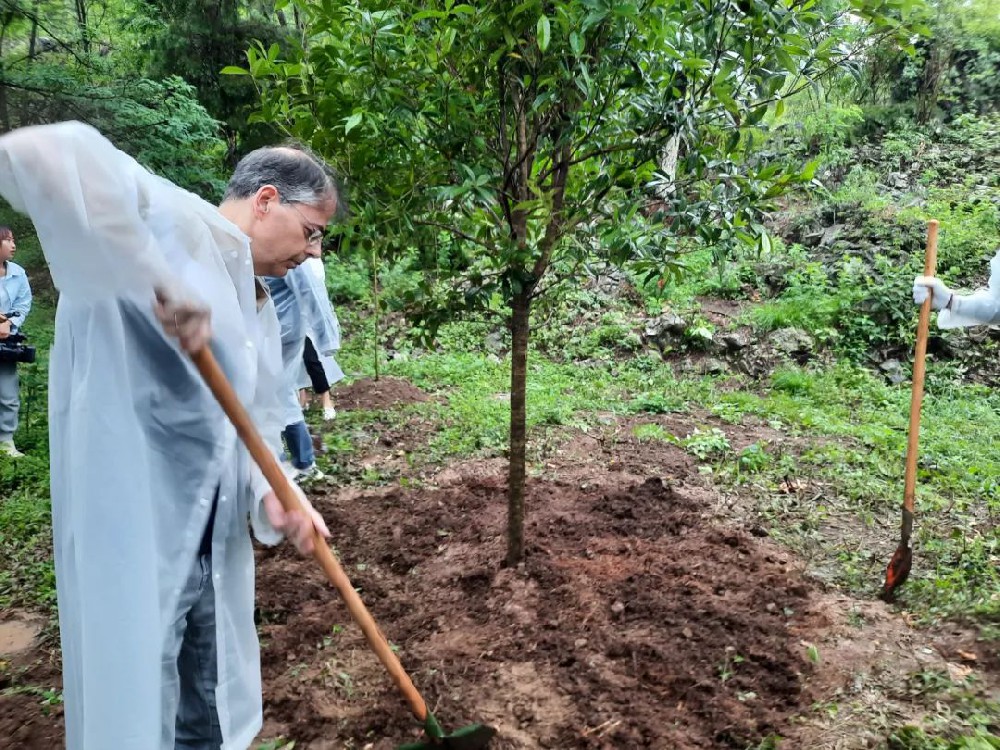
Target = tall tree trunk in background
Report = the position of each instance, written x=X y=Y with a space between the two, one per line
x=34 y=30
x=377 y=313
x=668 y=166
x=81 y=22
x=936 y=64
x=519 y=327
x=5 y=20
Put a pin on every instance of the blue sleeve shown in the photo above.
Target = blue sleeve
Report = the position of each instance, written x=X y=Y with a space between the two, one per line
x=22 y=302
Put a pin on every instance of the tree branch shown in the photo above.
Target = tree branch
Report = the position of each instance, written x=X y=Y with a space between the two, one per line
x=457 y=232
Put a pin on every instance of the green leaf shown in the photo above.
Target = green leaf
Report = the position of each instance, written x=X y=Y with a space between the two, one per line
x=543 y=31
x=756 y=116
x=813 y=653
x=234 y=70
x=429 y=14
x=809 y=170
x=353 y=121
x=786 y=60
x=576 y=43
x=765 y=243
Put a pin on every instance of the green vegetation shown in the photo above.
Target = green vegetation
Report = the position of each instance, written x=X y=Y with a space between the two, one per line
x=746 y=306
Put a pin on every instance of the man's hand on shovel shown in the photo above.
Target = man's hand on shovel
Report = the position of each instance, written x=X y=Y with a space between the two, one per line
x=297 y=526
x=183 y=318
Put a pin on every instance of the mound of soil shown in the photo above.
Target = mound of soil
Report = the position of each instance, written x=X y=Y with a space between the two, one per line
x=30 y=712
x=374 y=395
x=632 y=623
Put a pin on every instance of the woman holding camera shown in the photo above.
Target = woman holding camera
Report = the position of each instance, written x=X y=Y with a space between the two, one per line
x=15 y=303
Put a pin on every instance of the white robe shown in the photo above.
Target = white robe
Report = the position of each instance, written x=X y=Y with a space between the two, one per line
x=979 y=308
x=138 y=444
x=303 y=309
x=329 y=326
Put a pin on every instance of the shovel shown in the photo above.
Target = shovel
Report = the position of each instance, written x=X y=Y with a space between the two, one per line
x=474 y=737
x=902 y=559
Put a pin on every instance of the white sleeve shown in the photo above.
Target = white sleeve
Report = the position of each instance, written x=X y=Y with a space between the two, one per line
x=88 y=201
x=979 y=308
x=263 y=531
x=314 y=303
x=266 y=411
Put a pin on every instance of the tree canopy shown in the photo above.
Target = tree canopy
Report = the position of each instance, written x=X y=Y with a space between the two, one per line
x=526 y=139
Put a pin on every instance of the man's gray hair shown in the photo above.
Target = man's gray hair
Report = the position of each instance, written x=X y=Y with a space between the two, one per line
x=299 y=176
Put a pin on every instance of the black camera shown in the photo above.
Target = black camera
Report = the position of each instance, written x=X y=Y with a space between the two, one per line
x=13 y=349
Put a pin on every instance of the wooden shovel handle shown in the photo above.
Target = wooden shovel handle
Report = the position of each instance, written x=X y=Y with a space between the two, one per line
x=916 y=398
x=219 y=384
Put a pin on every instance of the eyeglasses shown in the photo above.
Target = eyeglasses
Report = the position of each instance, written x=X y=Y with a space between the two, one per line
x=312 y=233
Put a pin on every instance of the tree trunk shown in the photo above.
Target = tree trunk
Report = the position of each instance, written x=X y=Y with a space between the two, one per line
x=519 y=325
x=376 y=312
x=34 y=30
x=81 y=22
x=4 y=105
x=935 y=66
x=668 y=166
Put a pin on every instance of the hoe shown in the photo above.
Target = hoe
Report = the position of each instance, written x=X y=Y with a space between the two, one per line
x=473 y=737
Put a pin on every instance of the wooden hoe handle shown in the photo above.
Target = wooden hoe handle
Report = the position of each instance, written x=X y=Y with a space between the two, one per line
x=219 y=384
x=916 y=398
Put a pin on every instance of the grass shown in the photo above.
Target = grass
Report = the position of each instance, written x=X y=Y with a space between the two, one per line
x=850 y=429
x=854 y=428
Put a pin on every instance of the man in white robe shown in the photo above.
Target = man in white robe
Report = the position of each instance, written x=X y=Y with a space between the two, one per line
x=152 y=493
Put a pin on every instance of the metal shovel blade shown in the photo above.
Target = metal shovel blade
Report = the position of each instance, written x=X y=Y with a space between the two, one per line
x=474 y=737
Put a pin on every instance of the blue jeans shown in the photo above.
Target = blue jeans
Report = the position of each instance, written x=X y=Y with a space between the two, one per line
x=190 y=667
x=300 y=445
x=10 y=402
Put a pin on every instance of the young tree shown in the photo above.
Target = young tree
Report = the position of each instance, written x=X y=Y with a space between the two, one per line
x=535 y=133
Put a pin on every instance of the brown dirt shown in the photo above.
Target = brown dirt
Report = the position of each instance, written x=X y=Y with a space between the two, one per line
x=633 y=623
x=383 y=393
x=18 y=635
x=28 y=667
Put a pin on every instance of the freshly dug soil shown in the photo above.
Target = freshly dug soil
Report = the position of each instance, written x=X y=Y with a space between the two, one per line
x=383 y=393
x=633 y=622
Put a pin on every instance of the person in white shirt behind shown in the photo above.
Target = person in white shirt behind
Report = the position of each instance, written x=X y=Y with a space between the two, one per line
x=15 y=304
x=321 y=371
